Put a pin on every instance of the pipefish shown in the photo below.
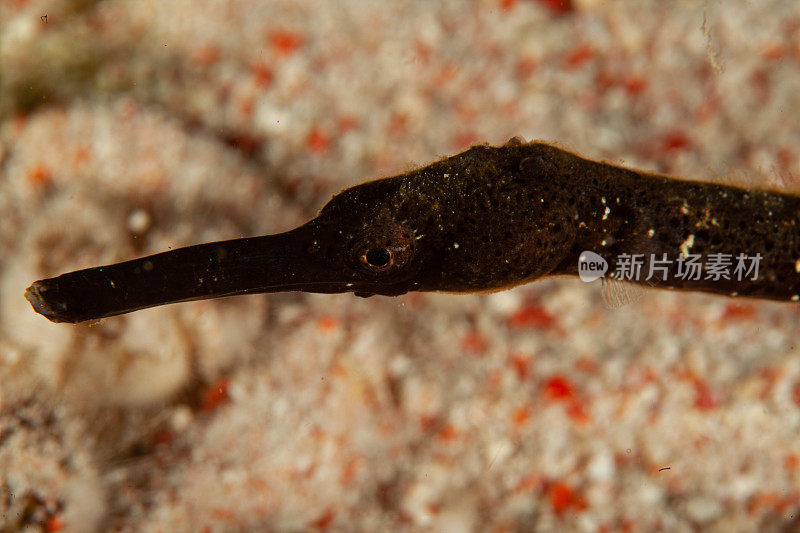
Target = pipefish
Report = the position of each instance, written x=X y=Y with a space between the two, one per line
x=486 y=219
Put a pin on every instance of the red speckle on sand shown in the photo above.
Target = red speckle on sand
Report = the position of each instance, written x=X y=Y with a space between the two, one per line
x=426 y=422
x=54 y=523
x=559 y=388
x=39 y=176
x=577 y=412
x=327 y=323
x=604 y=80
x=263 y=75
x=525 y=67
x=474 y=343
x=448 y=433
x=245 y=143
x=464 y=140
x=285 y=42
x=521 y=364
x=398 y=124
x=215 y=395
x=318 y=141
x=796 y=394
x=675 y=142
x=634 y=85
x=532 y=316
x=703 y=398
x=738 y=311
x=563 y=498
x=559 y=7
x=579 y=56
x=206 y=55
x=521 y=415
x=163 y=438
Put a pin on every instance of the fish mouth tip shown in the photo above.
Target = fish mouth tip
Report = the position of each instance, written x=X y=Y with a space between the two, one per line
x=36 y=295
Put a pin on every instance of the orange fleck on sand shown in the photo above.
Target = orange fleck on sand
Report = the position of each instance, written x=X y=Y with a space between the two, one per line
x=474 y=343
x=327 y=323
x=263 y=75
x=703 y=398
x=635 y=85
x=39 y=176
x=791 y=462
x=525 y=68
x=521 y=365
x=579 y=56
x=521 y=415
x=563 y=498
x=318 y=141
x=215 y=395
x=532 y=316
x=675 y=142
x=738 y=311
x=559 y=388
x=398 y=124
x=577 y=412
x=448 y=433
x=508 y=4
x=286 y=42
x=349 y=471
x=346 y=123
x=426 y=422
x=54 y=523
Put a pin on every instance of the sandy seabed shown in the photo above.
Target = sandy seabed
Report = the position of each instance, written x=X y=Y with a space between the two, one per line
x=132 y=127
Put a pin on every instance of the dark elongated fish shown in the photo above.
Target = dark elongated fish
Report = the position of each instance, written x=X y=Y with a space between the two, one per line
x=487 y=219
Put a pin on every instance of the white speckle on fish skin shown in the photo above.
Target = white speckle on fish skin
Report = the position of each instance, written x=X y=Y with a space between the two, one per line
x=603 y=199
x=796 y=297
x=797 y=266
x=686 y=246
x=685 y=208
x=455 y=245
x=605 y=215
x=651 y=232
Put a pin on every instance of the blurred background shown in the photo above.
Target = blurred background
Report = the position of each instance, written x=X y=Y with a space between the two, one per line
x=131 y=127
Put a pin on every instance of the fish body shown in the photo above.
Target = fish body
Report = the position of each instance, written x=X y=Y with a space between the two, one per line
x=486 y=219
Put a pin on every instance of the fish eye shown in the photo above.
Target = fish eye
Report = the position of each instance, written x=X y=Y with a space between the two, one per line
x=378 y=258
